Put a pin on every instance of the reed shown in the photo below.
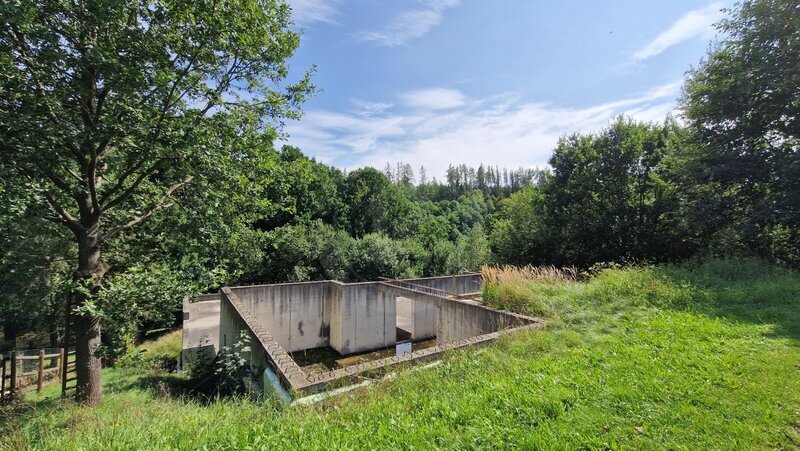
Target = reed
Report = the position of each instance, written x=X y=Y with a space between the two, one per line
x=515 y=287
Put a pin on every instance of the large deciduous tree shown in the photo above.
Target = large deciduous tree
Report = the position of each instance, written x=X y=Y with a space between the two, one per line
x=109 y=109
x=743 y=103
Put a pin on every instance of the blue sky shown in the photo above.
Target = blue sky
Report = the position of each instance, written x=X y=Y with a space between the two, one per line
x=485 y=81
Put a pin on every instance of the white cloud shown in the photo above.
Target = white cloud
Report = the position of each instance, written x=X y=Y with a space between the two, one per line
x=365 y=108
x=409 y=25
x=501 y=130
x=305 y=12
x=434 y=98
x=693 y=24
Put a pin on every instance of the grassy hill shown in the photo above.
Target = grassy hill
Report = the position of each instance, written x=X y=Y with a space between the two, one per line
x=706 y=356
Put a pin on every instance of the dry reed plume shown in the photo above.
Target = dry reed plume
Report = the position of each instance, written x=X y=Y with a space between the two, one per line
x=512 y=274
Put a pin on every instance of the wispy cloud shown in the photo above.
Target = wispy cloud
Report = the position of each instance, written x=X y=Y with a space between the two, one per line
x=434 y=98
x=306 y=12
x=695 y=23
x=502 y=130
x=365 y=108
x=408 y=25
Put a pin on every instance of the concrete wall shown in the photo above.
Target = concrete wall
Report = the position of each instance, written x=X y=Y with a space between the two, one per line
x=425 y=310
x=295 y=314
x=463 y=319
x=350 y=318
x=200 y=328
x=463 y=283
x=426 y=318
x=363 y=318
x=270 y=365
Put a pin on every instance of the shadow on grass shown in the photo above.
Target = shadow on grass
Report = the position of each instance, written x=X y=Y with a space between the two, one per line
x=173 y=386
x=746 y=290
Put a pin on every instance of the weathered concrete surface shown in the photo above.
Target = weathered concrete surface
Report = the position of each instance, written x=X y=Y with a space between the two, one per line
x=405 y=314
x=350 y=318
x=458 y=284
x=418 y=317
x=461 y=319
x=200 y=328
x=364 y=318
x=295 y=314
x=268 y=360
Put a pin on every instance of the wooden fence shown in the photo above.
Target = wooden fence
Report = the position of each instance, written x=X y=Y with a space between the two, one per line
x=23 y=368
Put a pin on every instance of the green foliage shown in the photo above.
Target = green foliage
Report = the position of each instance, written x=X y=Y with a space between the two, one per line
x=376 y=255
x=741 y=103
x=111 y=113
x=158 y=355
x=621 y=364
x=143 y=298
x=471 y=252
x=376 y=205
x=233 y=366
x=609 y=199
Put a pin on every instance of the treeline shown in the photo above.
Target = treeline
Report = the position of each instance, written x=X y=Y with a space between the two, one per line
x=460 y=179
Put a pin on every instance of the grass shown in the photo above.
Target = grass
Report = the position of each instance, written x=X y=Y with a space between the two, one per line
x=658 y=357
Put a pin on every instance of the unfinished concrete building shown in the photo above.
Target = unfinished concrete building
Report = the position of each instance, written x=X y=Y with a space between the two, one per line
x=306 y=337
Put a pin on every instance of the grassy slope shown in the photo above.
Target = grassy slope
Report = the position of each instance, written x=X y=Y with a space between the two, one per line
x=646 y=358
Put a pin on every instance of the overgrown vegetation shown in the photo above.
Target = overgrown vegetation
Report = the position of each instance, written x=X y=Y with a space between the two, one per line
x=518 y=288
x=694 y=356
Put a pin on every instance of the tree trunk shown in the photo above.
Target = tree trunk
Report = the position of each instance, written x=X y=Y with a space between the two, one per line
x=10 y=334
x=89 y=389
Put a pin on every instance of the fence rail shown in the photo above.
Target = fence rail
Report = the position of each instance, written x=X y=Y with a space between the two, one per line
x=22 y=368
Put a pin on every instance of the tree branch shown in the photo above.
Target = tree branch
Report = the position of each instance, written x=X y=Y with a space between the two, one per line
x=53 y=177
x=131 y=189
x=159 y=206
x=62 y=215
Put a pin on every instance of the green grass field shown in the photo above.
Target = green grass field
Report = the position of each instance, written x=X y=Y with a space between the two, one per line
x=660 y=357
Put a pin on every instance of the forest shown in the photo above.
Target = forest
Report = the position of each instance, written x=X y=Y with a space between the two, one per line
x=127 y=185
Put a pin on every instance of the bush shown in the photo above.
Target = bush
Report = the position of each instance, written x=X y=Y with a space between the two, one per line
x=161 y=354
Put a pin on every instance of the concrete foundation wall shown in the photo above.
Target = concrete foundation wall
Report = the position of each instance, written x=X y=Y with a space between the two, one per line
x=464 y=319
x=200 y=328
x=462 y=284
x=362 y=319
x=295 y=314
x=266 y=357
x=426 y=318
x=349 y=318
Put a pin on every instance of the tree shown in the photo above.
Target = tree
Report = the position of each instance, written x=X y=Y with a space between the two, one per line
x=609 y=198
x=471 y=251
x=109 y=110
x=741 y=102
x=376 y=205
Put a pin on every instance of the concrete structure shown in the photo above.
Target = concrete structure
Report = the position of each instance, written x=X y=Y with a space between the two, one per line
x=349 y=318
x=200 y=328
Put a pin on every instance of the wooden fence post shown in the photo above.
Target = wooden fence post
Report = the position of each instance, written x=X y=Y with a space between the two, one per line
x=13 y=387
x=60 y=363
x=40 y=381
x=3 y=378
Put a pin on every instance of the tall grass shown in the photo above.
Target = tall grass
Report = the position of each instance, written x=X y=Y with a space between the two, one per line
x=519 y=288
